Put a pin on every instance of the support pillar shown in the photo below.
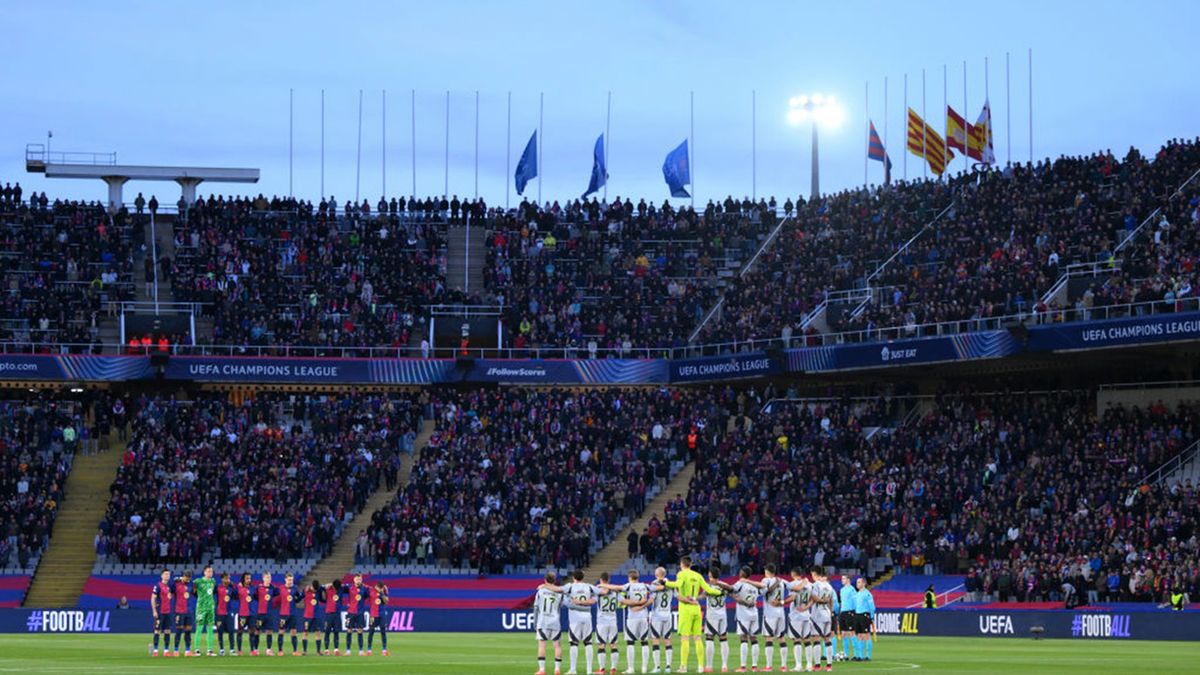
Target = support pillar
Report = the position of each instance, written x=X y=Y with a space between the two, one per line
x=189 y=189
x=115 y=183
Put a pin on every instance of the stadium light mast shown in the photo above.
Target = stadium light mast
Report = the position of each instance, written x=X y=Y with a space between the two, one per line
x=821 y=110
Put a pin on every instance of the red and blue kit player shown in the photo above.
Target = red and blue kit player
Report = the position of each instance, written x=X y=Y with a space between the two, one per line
x=262 y=601
x=356 y=600
x=225 y=623
x=288 y=597
x=377 y=599
x=333 y=616
x=160 y=608
x=183 y=614
x=312 y=596
x=245 y=594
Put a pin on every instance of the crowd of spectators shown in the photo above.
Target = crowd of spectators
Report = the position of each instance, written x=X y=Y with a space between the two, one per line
x=521 y=478
x=1028 y=488
x=829 y=244
x=270 y=476
x=1007 y=236
x=65 y=266
x=1013 y=233
x=279 y=273
x=595 y=277
x=38 y=442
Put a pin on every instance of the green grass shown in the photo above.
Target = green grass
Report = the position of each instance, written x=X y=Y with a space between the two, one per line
x=502 y=654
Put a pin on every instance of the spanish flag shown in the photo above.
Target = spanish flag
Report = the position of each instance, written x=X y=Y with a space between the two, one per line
x=957 y=130
x=924 y=142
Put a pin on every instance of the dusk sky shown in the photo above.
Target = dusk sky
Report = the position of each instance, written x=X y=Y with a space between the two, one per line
x=206 y=84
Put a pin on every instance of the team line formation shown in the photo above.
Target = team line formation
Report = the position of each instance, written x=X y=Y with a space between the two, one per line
x=801 y=610
x=249 y=612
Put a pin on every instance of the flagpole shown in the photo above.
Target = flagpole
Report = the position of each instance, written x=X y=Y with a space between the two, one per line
x=905 y=153
x=476 y=144
x=692 y=143
x=508 y=154
x=383 y=150
x=291 y=136
x=945 y=111
x=1008 y=105
x=358 y=157
x=966 y=122
x=607 y=126
x=866 y=128
x=446 y=163
x=753 y=145
x=541 y=142
x=885 y=129
x=322 y=145
x=924 y=135
x=1031 y=105
x=987 y=100
x=414 y=144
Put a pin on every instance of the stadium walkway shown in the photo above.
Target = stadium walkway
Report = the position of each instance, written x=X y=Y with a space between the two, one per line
x=613 y=557
x=340 y=560
x=68 y=560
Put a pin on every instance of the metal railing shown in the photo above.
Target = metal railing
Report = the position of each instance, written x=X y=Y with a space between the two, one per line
x=1171 y=465
x=709 y=349
x=38 y=152
x=905 y=245
x=1088 y=269
x=1130 y=237
x=959 y=326
x=742 y=273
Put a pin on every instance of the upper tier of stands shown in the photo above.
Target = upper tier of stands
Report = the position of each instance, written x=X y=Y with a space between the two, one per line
x=65 y=265
x=1073 y=238
x=283 y=272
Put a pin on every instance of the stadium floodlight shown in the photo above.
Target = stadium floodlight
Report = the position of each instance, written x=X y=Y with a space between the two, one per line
x=821 y=110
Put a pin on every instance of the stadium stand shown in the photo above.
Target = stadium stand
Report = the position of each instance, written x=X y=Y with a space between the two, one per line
x=605 y=279
x=1034 y=486
x=275 y=476
x=65 y=266
x=516 y=480
x=959 y=253
x=283 y=273
x=38 y=442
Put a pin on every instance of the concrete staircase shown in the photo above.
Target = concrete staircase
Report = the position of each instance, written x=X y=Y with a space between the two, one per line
x=613 y=557
x=341 y=557
x=67 y=562
x=465 y=258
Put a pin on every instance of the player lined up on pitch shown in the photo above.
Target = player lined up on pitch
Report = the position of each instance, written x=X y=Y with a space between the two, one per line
x=802 y=609
x=249 y=613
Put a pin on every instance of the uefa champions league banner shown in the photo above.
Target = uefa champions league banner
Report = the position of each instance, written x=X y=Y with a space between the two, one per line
x=1184 y=326
x=734 y=366
x=982 y=345
x=1151 y=624
x=300 y=370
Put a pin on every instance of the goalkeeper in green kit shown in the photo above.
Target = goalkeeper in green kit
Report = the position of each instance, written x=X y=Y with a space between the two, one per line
x=206 y=614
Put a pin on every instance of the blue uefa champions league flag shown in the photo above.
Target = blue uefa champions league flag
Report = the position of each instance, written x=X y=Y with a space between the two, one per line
x=599 y=168
x=676 y=170
x=527 y=168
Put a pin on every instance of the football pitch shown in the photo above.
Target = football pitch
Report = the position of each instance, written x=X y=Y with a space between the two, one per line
x=504 y=654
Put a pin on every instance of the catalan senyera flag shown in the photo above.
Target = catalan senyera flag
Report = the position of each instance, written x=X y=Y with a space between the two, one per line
x=957 y=130
x=924 y=142
x=979 y=137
